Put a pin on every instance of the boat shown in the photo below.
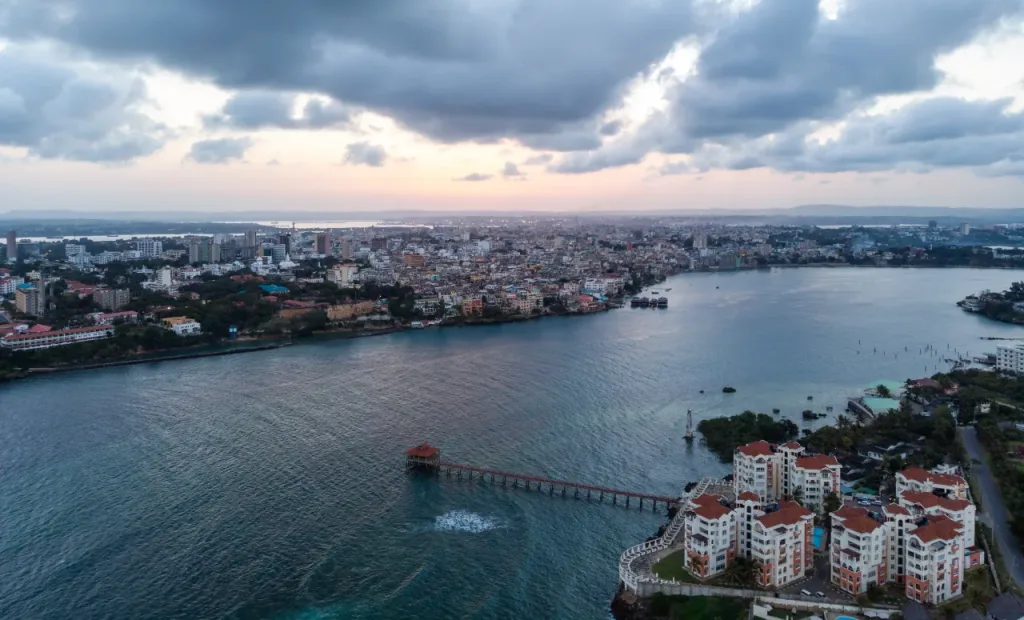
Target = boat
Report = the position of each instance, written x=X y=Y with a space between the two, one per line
x=417 y=325
x=689 y=426
x=663 y=302
x=644 y=302
x=655 y=293
x=667 y=290
x=634 y=303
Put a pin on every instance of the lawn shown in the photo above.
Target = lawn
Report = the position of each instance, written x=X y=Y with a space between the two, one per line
x=671 y=567
x=699 y=608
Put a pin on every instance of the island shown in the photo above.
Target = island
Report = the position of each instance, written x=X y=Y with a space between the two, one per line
x=1006 y=307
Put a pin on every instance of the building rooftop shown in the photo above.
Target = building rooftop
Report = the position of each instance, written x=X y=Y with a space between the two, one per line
x=423 y=451
x=709 y=507
x=756 y=448
x=922 y=475
x=819 y=461
x=937 y=528
x=789 y=513
x=930 y=500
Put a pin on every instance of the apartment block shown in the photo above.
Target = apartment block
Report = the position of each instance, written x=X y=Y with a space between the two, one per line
x=782 y=544
x=935 y=561
x=859 y=550
x=785 y=471
x=710 y=536
x=917 y=479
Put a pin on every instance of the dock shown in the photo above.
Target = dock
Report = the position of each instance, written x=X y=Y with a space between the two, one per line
x=427 y=458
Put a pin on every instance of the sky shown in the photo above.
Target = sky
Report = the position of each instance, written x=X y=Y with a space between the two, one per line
x=567 y=105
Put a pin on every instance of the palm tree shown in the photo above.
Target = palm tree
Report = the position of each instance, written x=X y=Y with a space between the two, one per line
x=842 y=421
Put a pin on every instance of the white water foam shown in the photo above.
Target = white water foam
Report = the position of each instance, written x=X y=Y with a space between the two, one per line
x=464 y=521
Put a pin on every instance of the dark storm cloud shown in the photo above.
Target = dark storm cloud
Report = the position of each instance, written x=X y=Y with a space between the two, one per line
x=781 y=62
x=261 y=108
x=57 y=112
x=365 y=154
x=943 y=132
x=611 y=128
x=450 y=69
x=219 y=151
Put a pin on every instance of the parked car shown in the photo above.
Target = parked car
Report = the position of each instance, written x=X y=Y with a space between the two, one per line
x=805 y=592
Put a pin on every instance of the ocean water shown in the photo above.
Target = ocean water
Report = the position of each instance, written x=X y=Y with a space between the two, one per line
x=271 y=485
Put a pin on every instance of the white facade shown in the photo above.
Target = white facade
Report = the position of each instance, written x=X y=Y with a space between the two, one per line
x=935 y=561
x=782 y=544
x=45 y=340
x=859 y=550
x=187 y=328
x=917 y=479
x=756 y=470
x=815 y=478
x=710 y=536
x=148 y=248
x=1010 y=358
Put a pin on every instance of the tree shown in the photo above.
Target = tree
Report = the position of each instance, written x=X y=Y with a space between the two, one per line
x=832 y=503
x=883 y=391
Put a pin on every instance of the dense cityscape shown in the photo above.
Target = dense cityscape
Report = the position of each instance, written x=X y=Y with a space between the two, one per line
x=276 y=281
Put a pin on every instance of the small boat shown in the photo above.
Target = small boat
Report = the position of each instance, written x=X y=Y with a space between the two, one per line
x=663 y=302
x=634 y=303
x=776 y=411
x=828 y=408
x=810 y=398
x=655 y=293
x=644 y=302
x=668 y=289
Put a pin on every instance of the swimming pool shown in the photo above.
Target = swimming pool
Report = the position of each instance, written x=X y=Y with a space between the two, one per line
x=819 y=533
x=845 y=618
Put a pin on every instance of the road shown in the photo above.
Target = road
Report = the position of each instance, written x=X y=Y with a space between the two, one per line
x=993 y=507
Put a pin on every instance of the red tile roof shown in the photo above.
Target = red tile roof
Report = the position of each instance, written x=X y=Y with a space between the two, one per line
x=709 y=507
x=818 y=461
x=423 y=451
x=789 y=513
x=60 y=332
x=938 y=528
x=930 y=500
x=749 y=496
x=862 y=524
x=895 y=509
x=792 y=445
x=756 y=448
x=921 y=475
x=848 y=512
x=39 y=328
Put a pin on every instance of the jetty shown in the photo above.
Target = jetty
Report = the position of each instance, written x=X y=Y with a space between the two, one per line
x=427 y=458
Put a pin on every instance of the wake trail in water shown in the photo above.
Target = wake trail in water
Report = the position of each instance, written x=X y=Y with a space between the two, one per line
x=465 y=521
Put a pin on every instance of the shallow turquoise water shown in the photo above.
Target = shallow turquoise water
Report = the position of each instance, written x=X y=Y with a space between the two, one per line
x=270 y=485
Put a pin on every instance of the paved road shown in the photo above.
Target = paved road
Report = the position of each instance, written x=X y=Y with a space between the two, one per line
x=992 y=503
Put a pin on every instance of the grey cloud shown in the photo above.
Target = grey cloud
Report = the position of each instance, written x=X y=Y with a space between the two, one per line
x=366 y=154
x=511 y=171
x=57 y=112
x=538 y=160
x=611 y=128
x=780 y=62
x=452 y=70
x=262 y=108
x=219 y=151
x=674 y=167
x=475 y=177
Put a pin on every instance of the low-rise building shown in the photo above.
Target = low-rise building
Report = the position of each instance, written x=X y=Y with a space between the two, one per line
x=111 y=298
x=344 y=312
x=55 y=338
x=183 y=325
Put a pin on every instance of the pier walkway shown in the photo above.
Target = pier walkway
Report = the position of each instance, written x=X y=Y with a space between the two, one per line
x=428 y=458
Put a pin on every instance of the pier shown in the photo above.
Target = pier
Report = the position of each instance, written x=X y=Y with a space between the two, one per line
x=425 y=457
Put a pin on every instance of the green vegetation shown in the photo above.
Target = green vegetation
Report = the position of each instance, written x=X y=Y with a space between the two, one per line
x=978 y=590
x=1000 y=307
x=671 y=567
x=1006 y=469
x=724 y=435
x=698 y=607
x=935 y=435
x=728 y=390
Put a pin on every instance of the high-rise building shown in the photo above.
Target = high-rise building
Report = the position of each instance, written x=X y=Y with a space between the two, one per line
x=965 y=229
x=323 y=242
x=12 y=246
x=250 y=238
x=279 y=253
x=30 y=299
x=149 y=248
x=112 y=298
x=203 y=250
x=346 y=249
x=72 y=250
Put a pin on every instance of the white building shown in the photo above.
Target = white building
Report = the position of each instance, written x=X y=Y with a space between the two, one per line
x=814 y=478
x=783 y=472
x=343 y=275
x=921 y=504
x=756 y=470
x=148 y=248
x=1010 y=358
x=710 y=536
x=783 y=545
x=859 y=551
x=917 y=479
x=71 y=250
x=56 y=338
x=935 y=561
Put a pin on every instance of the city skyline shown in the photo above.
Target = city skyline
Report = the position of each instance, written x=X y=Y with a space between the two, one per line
x=607 y=106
